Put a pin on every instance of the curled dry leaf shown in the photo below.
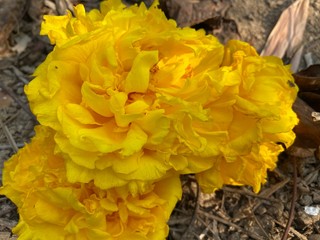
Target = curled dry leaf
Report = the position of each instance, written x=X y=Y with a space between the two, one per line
x=313 y=99
x=308 y=79
x=307 y=131
x=307 y=106
x=286 y=37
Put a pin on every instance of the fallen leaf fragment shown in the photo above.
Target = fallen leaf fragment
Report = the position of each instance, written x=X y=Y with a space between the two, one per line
x=286 y=37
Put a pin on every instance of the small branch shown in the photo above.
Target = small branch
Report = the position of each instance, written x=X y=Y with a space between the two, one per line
x=195 y=213
x=228 y=223
x=8 y=146
x=293 y=201
x=6 y=211
x=14 y=97
x=268 y=192
x=261 y=227
x=295 y=232
x=9 y=137
x=208 y=228
x=251 y=194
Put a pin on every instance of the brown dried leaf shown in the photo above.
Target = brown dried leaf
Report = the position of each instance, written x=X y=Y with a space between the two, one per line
x=307 y=131
x=308 y=79
x=286 y=37
x=313 y=99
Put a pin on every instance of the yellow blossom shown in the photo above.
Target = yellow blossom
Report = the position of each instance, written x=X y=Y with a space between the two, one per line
x=52 y=208
x=132 y=98
x=252 y=101
x=123 y=88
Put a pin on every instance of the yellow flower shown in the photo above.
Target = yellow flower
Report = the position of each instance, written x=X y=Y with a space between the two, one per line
x=50 y=207
x=253 y=102
x=123 y=89
x=133 y=99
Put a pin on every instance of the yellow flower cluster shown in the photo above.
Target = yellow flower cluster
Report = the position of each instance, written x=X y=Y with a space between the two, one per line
x=251 y=102
x=127 y=102
x=124 y=89
x=52 y=208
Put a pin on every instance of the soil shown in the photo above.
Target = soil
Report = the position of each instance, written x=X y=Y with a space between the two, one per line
x=228 y=214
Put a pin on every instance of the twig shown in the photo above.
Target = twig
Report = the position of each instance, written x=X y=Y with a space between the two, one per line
x=177 y=229
x=195 y=213
x=12 y=117
x=8 y=146
x=9 y=136
x=19 y=75
x=208 y=228
x=293 y=201
x=211 y=216
x=222 y=202
x=295 y=232
x=268 y=192
x=251 y=194
x=180 y=220
x=6 y=211
x=261 y=227
x=13 y=96
x=180 y=211
x=7 y=223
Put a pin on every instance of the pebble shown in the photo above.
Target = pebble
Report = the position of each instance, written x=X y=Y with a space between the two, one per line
x=305 y=200
x=261 y=210
x=310 y=210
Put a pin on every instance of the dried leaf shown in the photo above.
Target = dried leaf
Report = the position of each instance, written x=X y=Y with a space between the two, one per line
x=313 y=99
x=286 y=37
x=22 y=43
x=307 y=131
x=296 y=58
x=308 y=79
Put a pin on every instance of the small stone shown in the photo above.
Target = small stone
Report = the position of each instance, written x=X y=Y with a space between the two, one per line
x=310 y=210
x=305 y=200
x=261 y=210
